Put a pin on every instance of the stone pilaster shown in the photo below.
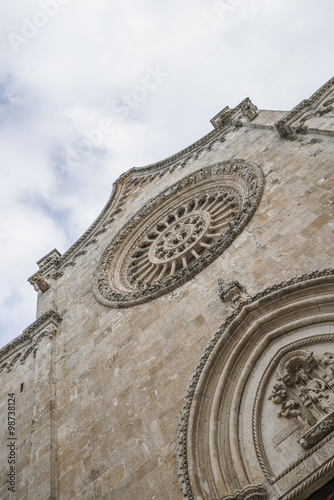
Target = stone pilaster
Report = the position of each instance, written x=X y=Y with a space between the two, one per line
x=43 y=471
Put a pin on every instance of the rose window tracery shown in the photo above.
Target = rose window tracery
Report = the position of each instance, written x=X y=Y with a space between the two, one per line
x=181 y=237
x=177 y=233
x=179 y=240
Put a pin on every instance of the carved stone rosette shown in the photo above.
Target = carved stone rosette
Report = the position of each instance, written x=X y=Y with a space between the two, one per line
x=175 y=235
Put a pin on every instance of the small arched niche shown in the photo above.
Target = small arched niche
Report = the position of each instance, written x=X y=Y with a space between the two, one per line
x=258 y=418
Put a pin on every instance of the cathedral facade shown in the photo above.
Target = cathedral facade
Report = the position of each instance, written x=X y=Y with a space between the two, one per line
x=184 y=345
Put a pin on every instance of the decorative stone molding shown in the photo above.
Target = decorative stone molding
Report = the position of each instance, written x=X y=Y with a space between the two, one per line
x=50 y=260
x=319 y=104
x=309 y=481
x=227 y=120
x=318 y=431
x=48 y=267
x=175 y=235
x=214 y=405
x=232 y=292
x=55 y=264
x=230 y=116
x=26 y=344
x=257 y=492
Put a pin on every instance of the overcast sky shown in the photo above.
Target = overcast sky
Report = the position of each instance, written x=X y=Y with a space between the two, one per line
x=91 y=89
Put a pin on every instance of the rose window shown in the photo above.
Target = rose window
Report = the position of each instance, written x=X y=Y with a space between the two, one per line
x=181 y=237
x=178 y=233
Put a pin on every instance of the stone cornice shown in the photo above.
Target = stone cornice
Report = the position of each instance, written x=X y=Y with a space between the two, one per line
x=47 y=324
x=224 y=122
x=287 y=124
x=50 y=317
x=53 y=264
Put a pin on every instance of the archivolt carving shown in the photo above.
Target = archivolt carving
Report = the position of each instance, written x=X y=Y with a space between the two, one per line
x=252 y=365
x=178 y=233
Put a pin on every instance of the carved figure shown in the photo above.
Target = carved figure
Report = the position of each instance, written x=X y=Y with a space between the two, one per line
x=314 y=388
x=289 y=409
x=278 y=394
x=306 y=394
x=316 y=391
x=328 y=359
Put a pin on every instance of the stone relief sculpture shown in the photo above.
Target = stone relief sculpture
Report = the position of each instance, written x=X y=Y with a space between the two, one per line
x=328 y=359
x=269 y=367
x=307 y=394
x=232 y=292
x=290 y=409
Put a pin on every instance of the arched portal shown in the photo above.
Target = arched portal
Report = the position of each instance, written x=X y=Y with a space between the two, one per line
x=258 y=417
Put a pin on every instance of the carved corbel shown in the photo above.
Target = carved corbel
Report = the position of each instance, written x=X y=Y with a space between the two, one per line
x=249 y=109
x=39 y=283
x=232 y=292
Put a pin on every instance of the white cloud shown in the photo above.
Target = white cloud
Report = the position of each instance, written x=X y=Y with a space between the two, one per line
x=57 y=86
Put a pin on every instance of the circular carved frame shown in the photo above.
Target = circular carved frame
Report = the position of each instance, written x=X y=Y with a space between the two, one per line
x=221 y=450
x=176 y=234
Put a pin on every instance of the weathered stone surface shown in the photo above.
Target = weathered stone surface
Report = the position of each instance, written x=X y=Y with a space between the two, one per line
x=99 y=412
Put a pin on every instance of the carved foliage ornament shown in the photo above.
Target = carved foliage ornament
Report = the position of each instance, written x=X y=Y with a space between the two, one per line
x=175 y=235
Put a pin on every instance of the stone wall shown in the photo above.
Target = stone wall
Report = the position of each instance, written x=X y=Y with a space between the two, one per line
x=110 y=383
